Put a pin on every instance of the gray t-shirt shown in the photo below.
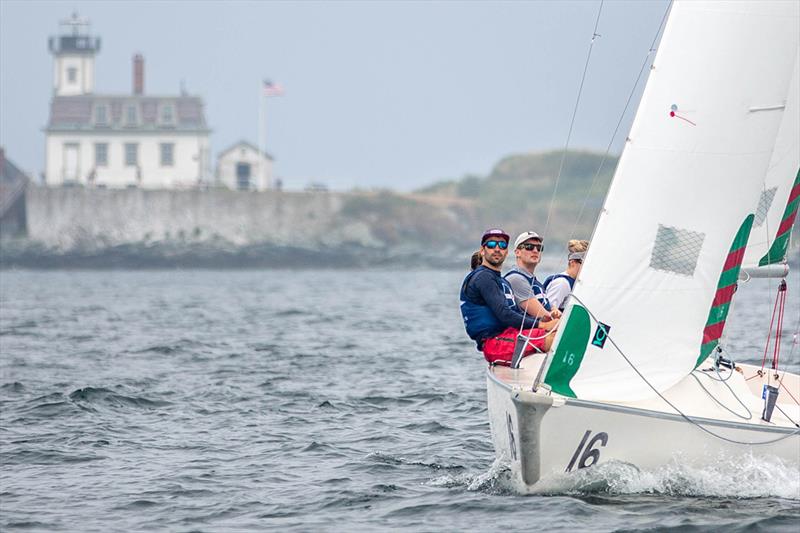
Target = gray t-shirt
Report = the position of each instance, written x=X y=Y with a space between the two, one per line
x=519 y=280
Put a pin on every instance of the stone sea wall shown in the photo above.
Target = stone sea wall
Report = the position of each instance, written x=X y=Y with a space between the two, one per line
x=133 y=227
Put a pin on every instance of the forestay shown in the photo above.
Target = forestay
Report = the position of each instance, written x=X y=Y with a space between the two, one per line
x=669 y=243
x=780 y=194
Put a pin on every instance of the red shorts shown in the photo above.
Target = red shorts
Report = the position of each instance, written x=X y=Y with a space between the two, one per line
x=500 y=348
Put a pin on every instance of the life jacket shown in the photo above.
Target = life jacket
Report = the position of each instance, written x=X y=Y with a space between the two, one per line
x=479 y=321
x=535 y=285
x=550 y=279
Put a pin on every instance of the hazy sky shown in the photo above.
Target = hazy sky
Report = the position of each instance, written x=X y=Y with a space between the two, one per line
x=378 y=94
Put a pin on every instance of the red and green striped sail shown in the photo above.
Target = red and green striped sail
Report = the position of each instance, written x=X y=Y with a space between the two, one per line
x=779 y=246
x=725 y=289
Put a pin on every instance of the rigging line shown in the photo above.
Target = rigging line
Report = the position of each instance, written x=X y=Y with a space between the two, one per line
x=681 y=413
x=731 y=411
x=530 y=338
x=619 y=122
x=769 y=333
x=566 y=144
x=779 y=330
x=595 y=35
x=795 y=337
x=787 y=416
x=780 y=382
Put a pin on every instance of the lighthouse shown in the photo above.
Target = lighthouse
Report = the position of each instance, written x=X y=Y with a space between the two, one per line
x=74 y=50
x=118 y=141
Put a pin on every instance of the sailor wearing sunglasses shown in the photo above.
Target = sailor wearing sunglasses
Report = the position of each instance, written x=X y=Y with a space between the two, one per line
x=529 y=293
x=491 y=316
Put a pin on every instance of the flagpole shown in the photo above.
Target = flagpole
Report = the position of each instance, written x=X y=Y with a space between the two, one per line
x=261 y=106
x=263 y=147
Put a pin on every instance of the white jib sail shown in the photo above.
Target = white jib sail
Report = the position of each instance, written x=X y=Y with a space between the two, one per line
x=684 y=188
x=769 y=238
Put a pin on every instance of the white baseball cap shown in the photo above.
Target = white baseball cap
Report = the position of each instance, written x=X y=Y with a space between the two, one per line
x=526 y=235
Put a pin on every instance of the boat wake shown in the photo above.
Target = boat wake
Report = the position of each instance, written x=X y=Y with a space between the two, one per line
x=746 y=476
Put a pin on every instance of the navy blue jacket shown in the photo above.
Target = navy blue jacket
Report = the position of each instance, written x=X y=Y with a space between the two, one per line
x=487 y=305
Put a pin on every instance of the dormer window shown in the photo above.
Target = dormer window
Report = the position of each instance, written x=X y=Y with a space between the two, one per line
x=167 y=114
x=131 y=115
x=101 y=115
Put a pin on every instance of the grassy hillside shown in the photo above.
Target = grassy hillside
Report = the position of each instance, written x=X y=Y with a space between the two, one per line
x=517 y=193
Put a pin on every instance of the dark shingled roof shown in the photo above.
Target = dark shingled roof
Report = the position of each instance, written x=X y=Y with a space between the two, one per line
x=8 y=170
x=75 y=113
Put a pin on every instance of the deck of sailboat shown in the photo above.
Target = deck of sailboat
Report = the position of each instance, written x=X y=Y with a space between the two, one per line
x=742 y=388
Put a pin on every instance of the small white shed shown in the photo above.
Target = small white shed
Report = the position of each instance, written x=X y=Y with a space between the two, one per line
x=243 y=167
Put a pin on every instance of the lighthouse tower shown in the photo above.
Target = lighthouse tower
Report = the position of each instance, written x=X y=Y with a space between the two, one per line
x=74 y=52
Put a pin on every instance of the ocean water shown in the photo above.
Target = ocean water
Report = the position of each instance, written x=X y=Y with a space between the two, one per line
x=306 y=400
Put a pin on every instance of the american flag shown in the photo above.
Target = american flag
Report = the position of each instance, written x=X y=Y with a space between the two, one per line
x=272 y=89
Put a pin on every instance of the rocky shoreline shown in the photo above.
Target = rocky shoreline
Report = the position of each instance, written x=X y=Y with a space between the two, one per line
x=26 y=255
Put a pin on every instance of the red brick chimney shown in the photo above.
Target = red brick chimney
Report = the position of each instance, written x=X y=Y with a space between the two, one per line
x=138 y=74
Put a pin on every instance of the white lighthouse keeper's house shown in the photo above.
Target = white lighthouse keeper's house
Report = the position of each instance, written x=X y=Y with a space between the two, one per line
x=118 y=140
x=243 y=167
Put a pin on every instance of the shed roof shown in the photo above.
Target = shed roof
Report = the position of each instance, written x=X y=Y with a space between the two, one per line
x=9 y=172
x=247 y=144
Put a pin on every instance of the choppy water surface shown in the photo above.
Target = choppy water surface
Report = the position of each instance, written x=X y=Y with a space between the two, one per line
x=315 y=400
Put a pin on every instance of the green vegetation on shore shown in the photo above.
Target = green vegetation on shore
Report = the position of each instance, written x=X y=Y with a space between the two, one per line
x=516 y=196
x=517 y=193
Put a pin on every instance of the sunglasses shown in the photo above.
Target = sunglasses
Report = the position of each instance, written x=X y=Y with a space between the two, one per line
x=494 y=244
x=529 y=246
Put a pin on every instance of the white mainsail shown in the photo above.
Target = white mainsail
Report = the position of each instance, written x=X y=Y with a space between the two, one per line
x=682 y=202
x=778 y=201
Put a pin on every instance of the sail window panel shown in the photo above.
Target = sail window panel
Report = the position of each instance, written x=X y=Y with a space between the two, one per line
x=764 y=203
x=676 y=250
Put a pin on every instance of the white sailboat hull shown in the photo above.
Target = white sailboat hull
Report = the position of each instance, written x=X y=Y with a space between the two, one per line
x=540 y=435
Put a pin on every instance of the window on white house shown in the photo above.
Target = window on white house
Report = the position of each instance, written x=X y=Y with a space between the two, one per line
x=167 y=114
x=131 y=154
x=101 y=154
x=131 y=115
x=101 y=114
x=72 y=74
x=167 y=154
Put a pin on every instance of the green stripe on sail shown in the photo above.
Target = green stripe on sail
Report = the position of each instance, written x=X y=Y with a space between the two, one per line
x=706 y=349
x=719 y=313
x=777 y=252
x=729 y=277
x=570 y=351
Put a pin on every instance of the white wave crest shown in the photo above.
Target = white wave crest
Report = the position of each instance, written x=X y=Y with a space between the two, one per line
x=745 y=476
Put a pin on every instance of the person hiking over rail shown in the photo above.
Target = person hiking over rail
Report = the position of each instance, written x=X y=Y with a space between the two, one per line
x=491 y=317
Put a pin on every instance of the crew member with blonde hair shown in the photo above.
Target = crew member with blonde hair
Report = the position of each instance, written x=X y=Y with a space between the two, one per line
x=559 y=286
